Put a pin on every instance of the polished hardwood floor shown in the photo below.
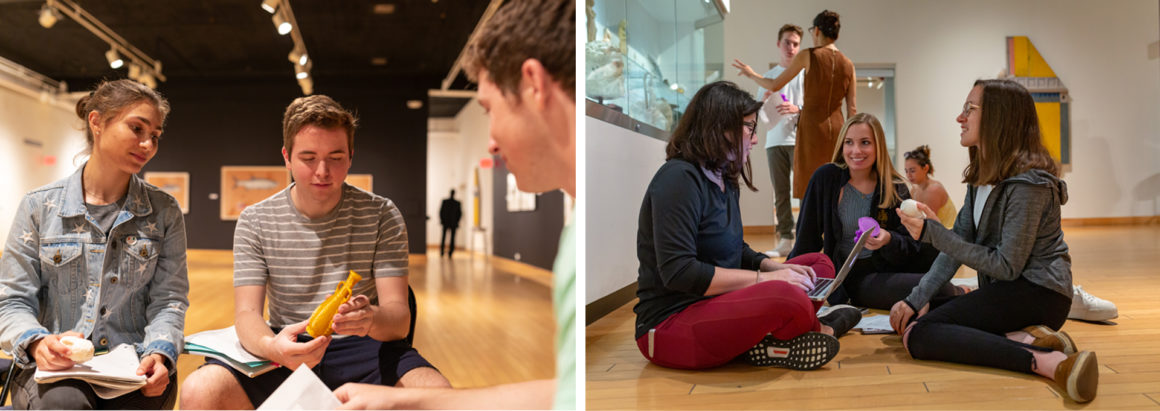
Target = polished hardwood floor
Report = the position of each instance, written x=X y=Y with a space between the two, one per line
x=1119 y=263
x=481 y=321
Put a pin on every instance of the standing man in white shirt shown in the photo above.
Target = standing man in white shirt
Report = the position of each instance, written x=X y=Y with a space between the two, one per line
x=781 y=111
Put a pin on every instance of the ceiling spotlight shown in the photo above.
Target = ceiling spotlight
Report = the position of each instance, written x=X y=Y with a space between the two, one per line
x=148 y=80
x=307 y=85
x=300 y=72
x=414 y=104
x=282 y=24
x=378 y=61
x=298 y=57
x=48 y=16
x=134 y=71
x=114 y=59
x=270 y=6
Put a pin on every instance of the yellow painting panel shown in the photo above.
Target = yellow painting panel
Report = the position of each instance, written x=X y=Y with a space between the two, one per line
x=1049 y=127
x=243 y=186
x=1027 y=60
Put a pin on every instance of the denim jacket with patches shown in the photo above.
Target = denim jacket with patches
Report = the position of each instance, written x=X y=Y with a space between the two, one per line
x=60 y=273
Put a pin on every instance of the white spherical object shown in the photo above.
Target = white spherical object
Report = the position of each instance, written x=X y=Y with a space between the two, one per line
x=80 y=349
x=910 y=208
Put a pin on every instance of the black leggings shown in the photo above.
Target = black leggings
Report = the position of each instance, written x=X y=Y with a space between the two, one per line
x=869 y=288
x=972 y=328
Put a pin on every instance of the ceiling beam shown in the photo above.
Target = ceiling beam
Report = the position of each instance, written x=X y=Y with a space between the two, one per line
x=458 y=66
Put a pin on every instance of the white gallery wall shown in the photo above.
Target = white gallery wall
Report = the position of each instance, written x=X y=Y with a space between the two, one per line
x=1105 y=53
x=454 y=148
x=620 y=164
x=30 y=130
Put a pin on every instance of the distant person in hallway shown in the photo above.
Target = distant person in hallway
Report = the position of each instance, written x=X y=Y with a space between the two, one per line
x=829 y=80
x=860 y=181
x=927 y=190
x=450 y=213
x=524 y=60
x=705 y=296
x=99 y=255
x=291 y=249
x=1009 y=231
x=780 y=109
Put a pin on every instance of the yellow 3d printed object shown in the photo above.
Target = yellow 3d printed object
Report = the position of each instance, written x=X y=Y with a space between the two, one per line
x=319 y=323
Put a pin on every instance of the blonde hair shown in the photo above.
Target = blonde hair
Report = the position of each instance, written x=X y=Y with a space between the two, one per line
x=887 y=176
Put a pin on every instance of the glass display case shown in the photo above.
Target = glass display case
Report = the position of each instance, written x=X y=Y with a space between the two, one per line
x=644 y=59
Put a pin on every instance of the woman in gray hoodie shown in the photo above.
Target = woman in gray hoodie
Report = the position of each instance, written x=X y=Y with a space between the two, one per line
x=1009 y=231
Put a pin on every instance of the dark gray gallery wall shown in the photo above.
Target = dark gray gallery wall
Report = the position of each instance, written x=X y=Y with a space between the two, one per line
x=535 y=235
x=238 y=122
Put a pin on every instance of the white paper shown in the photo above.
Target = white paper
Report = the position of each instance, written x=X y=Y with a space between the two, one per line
x=111 y=375
x=302 y=391
x=875 y=324
x=224 y=341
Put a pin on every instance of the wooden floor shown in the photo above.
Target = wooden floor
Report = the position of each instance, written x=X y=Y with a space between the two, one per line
x=874 y=371
x=480 y=321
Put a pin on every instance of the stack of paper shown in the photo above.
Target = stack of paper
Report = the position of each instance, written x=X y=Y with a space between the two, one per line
x=223 y=345
x=111 y=375
x=875 y=324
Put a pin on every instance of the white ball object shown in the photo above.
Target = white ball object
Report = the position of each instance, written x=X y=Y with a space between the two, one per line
x=910 y=208
x=80 y=349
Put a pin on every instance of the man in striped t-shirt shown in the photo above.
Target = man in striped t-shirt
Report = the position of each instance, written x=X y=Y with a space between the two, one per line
x=292 y=249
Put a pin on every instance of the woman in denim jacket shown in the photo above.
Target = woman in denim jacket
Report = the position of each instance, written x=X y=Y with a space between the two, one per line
x=99 y=255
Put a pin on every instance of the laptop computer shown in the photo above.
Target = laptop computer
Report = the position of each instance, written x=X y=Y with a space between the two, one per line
x=823 y=287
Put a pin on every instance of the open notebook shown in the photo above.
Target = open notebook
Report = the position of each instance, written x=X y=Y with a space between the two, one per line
x=223 y=345
x=111 y=375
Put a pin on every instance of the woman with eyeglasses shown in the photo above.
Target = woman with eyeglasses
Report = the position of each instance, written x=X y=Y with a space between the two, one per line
x=859 y=182
x=829 y=80
x=706 y=297
x=98 y=256
x=1009 y=231
x=926 y=189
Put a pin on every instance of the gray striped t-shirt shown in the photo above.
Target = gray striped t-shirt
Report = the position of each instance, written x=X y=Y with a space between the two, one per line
x=301 y=261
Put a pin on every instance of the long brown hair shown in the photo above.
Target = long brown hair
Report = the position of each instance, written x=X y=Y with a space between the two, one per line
x=887 y=176
x=1010 y=142
x=711 y=129
x=110 y=98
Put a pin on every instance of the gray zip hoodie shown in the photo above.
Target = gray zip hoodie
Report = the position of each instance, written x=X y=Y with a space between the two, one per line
x=1018 y=235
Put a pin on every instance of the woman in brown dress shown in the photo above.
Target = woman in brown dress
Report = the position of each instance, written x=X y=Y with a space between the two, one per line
x=829 y=79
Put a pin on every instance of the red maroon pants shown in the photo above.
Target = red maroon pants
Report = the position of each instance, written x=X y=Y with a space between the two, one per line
x=712 y=332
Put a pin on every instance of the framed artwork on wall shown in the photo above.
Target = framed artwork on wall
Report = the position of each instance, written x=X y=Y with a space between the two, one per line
x=243 y=186
x=363 y=181
x=175 y=183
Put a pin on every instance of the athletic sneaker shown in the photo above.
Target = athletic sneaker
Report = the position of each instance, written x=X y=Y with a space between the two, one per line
x=805 y=352
x=1088 y=307
x=841 y=318
x=1079 y=376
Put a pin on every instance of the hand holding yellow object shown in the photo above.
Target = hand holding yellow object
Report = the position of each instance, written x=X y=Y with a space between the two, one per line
x=319 y=323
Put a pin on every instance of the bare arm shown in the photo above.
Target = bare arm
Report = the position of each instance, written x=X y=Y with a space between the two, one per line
x=258 y=339
x=800 y=62
x=851 y=96
x=536 y=394
x=252 y=330
x=936 y=196
x=392 y=317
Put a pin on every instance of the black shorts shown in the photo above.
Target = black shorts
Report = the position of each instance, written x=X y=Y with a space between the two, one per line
x=350 y=359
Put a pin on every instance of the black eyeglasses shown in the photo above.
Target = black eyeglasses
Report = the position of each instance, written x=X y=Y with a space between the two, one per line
x=750 y=126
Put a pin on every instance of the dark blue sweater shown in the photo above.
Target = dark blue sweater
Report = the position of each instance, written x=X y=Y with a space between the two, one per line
x=687 y=227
